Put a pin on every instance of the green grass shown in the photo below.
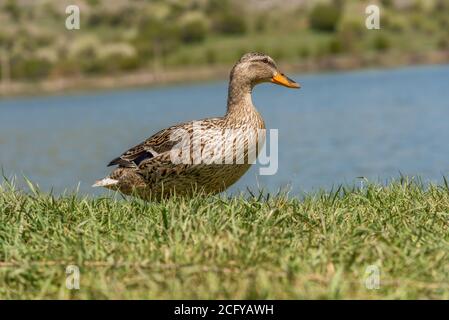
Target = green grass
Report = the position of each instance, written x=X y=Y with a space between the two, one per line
x=218 y=247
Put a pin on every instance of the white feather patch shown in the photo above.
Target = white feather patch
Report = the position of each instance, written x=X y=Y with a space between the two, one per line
x=105 y=182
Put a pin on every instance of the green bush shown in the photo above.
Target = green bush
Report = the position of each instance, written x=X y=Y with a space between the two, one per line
x=12 y=8
x=127 y=63
x=193 y=31
x=394 y=24
x=155 y=35
x=30 y=68
x=387 y=3
x=304 y=52
x=278 y=53
x=95 y=19
x=443 y=43
x=324 y=17
x=211 y=56
x=335 y=46
x=89 y=61
x=441 y=5
x=229 y=23
x=260 y=25
x=349 y=34
x=381 y=42
x=66 y=67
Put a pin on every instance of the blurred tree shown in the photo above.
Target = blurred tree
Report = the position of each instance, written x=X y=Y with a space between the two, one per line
x=211 y=56
x=6 y=48
x=94 y=19
x=304 y=52
x=278 y=53
x=229 y=23
x=156 y=38
x=30 y=68
x=441 y=5
x=226 y=19
x=12 y=8
x=335 y=45
x=93 y=3
x=381 y=42
x=260 y=23
x=89 y=62
x=5 y=68
x=156 y=29
x=325 y=17
x=217 y=6
x=443 y=43
x=394 y=23
x=193 y=29
x=350 y=32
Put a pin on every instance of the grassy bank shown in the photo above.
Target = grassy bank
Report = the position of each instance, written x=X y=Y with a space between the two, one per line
x=218 y=247
x=149 y=78
x=139 y=43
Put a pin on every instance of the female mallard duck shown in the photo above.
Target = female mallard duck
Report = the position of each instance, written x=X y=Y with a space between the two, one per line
x=201 y=155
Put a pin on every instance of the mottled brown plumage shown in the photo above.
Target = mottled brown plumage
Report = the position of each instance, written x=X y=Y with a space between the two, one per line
x=152 y=170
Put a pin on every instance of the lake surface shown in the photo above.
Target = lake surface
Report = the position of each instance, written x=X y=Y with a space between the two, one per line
x=376 y=124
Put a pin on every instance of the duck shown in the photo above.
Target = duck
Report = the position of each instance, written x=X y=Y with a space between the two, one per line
x=201 y=156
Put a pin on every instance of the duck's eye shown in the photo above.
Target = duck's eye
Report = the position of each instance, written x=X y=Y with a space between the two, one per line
x=265 y=60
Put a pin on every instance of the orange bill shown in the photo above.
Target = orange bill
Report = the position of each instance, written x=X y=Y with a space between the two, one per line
x=280 y=78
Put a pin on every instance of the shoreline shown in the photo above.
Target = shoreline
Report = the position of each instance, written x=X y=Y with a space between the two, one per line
x=149 y=78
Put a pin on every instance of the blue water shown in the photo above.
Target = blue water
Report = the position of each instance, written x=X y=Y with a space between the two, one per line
x=376 y=124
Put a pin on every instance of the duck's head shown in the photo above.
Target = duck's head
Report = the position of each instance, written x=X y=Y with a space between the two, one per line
x=255 y=68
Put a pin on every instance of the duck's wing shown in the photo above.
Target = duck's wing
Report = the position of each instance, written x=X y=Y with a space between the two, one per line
x=161 y=142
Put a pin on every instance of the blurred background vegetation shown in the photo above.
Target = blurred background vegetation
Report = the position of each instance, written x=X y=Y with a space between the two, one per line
x=126 y=36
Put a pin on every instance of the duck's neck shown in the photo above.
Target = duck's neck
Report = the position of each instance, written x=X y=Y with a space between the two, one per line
x=239 y=98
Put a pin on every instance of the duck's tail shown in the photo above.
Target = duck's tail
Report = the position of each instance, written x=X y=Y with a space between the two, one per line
x=106 y=182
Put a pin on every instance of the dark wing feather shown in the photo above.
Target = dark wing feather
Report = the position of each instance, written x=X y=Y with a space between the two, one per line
x=132 y=159
x=161 y=142
x=150 y=148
